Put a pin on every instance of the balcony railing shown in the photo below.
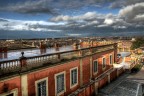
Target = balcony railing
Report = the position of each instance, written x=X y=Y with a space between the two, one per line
x=26 y=64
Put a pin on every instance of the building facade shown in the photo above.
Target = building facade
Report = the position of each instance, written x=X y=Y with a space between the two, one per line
x=80 y=72
x=124 y=46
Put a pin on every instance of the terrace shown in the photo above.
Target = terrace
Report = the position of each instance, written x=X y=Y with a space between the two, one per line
x=27 y=63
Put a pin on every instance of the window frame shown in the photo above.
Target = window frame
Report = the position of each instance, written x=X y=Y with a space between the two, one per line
x=57 y=94
x=14 y=91
x=71 y=86
x=111 y=59
x=40 y=80
x=97 y=66
x=103 y=67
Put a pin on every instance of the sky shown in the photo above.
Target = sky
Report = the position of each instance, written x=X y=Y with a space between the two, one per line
x=58 y=18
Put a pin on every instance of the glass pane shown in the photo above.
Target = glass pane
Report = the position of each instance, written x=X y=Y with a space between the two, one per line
x=104 y=62
x=74 y=76
x=60 y=83
x=111 y=59
x=42 y=88
x=95 y=66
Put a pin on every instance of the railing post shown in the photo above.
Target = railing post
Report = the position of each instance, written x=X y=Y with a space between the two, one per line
x=59 y=57
x=42 y=48
x=23 y=60
x=90 y=50
x=5 y=52
x=56 y=46
x=75 y=46
x=80 y=52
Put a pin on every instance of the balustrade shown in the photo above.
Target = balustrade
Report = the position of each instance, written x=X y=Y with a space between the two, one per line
x=16 y=65
x=8 y=66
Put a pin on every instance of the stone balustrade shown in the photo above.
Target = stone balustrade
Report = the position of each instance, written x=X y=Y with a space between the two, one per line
x=28 y=63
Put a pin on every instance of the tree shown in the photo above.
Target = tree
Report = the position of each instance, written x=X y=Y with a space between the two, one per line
x=138 y=43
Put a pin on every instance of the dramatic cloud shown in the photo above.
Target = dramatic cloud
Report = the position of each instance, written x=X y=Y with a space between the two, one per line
x=97 y=20
x=50 y=6
x=124 y=3
x=92 y=19
x=85 y=17
x=133 y=13
x=85 y=22
x=88 y=21
x=75 y=4
x=9 y=24
x=30 y=7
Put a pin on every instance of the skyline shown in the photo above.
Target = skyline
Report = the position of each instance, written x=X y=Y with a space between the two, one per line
x=72 y=18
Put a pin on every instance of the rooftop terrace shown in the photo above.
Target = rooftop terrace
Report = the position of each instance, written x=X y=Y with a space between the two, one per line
x=34 y=60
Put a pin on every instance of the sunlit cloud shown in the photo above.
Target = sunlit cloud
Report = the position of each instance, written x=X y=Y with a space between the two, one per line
x=10 y=24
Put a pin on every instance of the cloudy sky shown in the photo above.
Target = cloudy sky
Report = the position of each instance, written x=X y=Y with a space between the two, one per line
x=58 y=18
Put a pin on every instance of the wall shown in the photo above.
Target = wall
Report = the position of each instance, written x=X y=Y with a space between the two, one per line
x=11 y=84
x=85 y=71
x=113 y=75
x=99 y=58
x=103 y=82
x=50 y=73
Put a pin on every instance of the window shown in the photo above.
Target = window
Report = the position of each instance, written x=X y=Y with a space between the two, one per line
x=104 y=62
x=13 y=92
x=111 y=59
x=42 y=87
x=95 y=66
x=74 y=77
x=10 y=94
x=60 y=83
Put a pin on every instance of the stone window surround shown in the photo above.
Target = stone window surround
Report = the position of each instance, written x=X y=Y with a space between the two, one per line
x=14 y=91
x=40 y=80
x=97 y=66
x=103 y=68
x=71 y=86
x=58 y=94
x=110 y=59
